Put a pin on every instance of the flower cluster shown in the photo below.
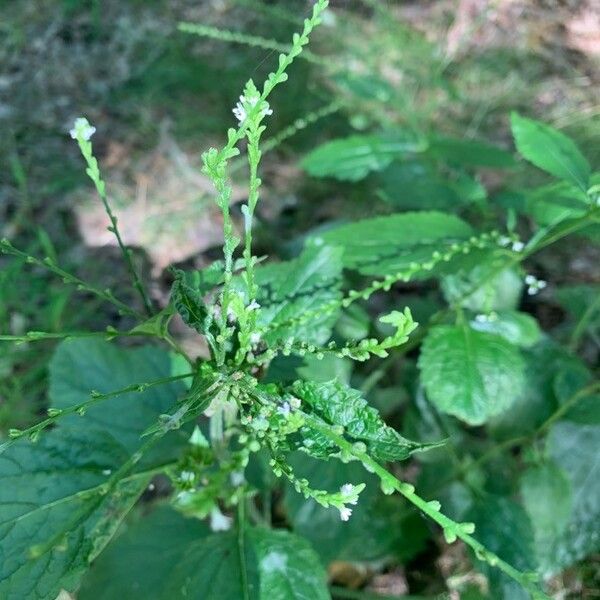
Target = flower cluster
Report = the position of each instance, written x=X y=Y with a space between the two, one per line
x=247 y=103
x=534 y=284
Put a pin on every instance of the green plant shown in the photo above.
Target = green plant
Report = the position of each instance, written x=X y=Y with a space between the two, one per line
x=125 y=416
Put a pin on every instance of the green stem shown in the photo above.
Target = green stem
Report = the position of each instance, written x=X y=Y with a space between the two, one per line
x=241 y=524
x=452 y=529
x=583 y=323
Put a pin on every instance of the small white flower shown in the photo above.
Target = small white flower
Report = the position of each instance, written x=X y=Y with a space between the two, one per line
x=541 y=284
x=218 y=521
x=106 y=472
x=532 y=291
x=347 y=489
x=504 y=240
x=284 y=410
x=187 y=476
x=518 y=246
x=254 y=305
x=82 y=129
x=295 y=402
x=481 y=318
x=240 y=112
x=530 y=279
x=237 y=478
x=345 y=513
x=254 y=338
x=267 y=111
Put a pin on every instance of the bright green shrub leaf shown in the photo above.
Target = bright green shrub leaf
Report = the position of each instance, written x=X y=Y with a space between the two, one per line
x=556 y=201
x=341 y=405
x=289 y=289
x=574 y=449
x=278 y=566
x=139 y=562
x=503 y=527
x=516 y=327
x=56 y=510
x=547 y=497
x=387 y=244
x=470 y=374
x=378 y=527
x=80 y=366
x=550 y=150
x=354 y=157
x=470 y=153
x=501 y=290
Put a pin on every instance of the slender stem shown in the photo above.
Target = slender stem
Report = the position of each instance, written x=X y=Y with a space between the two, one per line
x=241 y=524
x=34 y=336
x=583 y=324
x=452 y=529
x=47 y=263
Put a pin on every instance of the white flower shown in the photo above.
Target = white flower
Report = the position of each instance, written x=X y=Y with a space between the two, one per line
x=532 y=291
x=253 y=305
x=541 y=284
x=518 y=246
x=347 y=489
x=187 y=476
x=82 y=129
x=218 y=521
x=284 y=410
x=266 y=111
x=254 y=338
x=237 y=478
x=345 y=513
x=239 y=111
x=504 y=240
x=295 y=402
x=530 y=279
x=481 y=318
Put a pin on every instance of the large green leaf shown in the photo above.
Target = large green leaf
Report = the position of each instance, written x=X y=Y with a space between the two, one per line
x=550 y=150
x=353 y=158
x=470 y=374
x=139 y=562
x=80 y=366
x=273 y=565
x=547 y=497
x=380 y=525
x=341 y=405
x=516 y=327
x=58 y=508
x=308 y=284
x=471 y=153
x=574 y=448
x=388 y=244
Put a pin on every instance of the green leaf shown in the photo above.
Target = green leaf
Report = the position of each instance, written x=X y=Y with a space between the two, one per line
x=574 y=449
x=471 y=153
x=186 y=297
x=556 y=201
x=343 y=406
x=353 y=158
x=139 y=562
x=277 y=565
x=570 y=380
x=547 y=497
x=550 y=150
x=470 y=374
x=503 y=527
x=387 y=244
x=516 y=327
x=309 y=283
x=378 y=527
x=80 y=366
x=58 y=509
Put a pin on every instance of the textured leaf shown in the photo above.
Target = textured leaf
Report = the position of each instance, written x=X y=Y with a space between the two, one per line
x=387 y=244
x=378 y=527
x=278 y=566
x=516 y=327
x=550 y=150
x=341 y=405
x=186 y=296
x=56 y=512
x=547 y=496
x=504 y=528
x=80 y=366
x=353 y=158
x=289 y=289
x=470 y=374
x=574 y=449
x=470 y=153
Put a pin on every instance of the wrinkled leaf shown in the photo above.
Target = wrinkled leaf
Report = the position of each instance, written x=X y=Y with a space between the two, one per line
x=470 y=374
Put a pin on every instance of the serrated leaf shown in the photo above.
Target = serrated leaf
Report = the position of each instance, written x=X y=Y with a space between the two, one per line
x=574 y=448
x=470 y=374
x=341 y=405
x=516 y=327
x=289 y=289
x=187 y=299
x=379 y=525
x=56 y=514
x=472 y=153
x=387 y=244
x=550 y=150
x=547 y=497
x=80 y=366
x=354 y=157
